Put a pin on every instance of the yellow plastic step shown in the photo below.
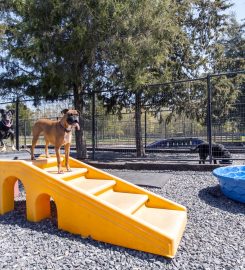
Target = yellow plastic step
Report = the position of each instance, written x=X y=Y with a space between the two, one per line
x=93 y=186
x=74 y=173
x=128 y=202
x=170 y=222
x=43 y=162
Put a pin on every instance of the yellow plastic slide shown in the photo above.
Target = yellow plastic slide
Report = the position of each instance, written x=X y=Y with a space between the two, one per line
x=93 y=203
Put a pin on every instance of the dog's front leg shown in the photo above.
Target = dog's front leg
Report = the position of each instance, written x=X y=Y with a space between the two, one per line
x=4 y=149
x=57 y=151
x=46 y=149
x=34 y=142
x=12 y=141
x=67 y=154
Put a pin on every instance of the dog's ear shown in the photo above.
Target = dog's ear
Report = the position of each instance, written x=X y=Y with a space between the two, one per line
x=12 y=111
x=64 y=111
x=78 y=112
x=2 y=111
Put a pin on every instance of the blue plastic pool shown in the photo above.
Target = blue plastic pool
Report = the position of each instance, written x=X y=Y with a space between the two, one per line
x=232 y=181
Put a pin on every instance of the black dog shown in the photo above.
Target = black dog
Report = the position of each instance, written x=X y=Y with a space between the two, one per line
x=218 y=151
x=6 y=128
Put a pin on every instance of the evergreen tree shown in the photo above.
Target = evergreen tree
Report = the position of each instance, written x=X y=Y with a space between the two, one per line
x=146 y=32
x=167 y=41
x=51 y=48
x=231 y=47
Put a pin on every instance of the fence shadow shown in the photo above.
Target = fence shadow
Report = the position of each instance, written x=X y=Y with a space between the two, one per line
x=214 y=197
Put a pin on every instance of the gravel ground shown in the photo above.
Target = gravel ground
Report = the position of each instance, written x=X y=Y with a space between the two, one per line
x=214 y=237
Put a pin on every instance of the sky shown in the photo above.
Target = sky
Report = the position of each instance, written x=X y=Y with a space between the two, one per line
x=239 y=9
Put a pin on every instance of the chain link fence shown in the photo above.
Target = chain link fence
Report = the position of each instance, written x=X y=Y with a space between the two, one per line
x=175 y=118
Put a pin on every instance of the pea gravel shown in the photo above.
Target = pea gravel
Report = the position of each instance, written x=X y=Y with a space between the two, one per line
x=214 y=236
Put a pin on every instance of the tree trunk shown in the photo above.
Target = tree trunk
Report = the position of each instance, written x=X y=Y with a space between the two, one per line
x=79 y=134
x=138 y=131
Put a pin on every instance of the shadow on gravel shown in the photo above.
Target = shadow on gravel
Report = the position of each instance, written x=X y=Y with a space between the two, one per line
x=214 y=197
x=49 y=226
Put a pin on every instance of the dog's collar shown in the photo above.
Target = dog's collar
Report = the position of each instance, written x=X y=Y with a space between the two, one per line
x=7 y=125
x=65 y=129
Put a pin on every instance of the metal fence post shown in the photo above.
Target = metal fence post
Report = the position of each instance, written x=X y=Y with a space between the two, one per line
x=145 y=129
x=17 y=133
x=93 y=126
x=209 y=117
x=25 y=133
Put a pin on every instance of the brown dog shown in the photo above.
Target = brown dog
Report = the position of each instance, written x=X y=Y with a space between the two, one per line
x=57 y=133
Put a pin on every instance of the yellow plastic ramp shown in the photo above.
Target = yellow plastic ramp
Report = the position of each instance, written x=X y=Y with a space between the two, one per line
x=93 y=203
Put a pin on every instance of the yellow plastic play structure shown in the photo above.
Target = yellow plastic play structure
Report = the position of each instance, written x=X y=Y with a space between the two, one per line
x=93 y=203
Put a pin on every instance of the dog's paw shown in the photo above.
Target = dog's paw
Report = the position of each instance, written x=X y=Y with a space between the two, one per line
x=68 y=169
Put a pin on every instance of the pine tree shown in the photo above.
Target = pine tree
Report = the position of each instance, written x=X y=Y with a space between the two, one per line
x=51 y=49
x=166 y=41
x=231 y=47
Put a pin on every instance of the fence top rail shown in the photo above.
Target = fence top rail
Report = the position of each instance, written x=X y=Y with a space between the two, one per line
x=143 y=86
x=175 y=82
x=18 y=99
x=227 y=73
x=197 y=79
